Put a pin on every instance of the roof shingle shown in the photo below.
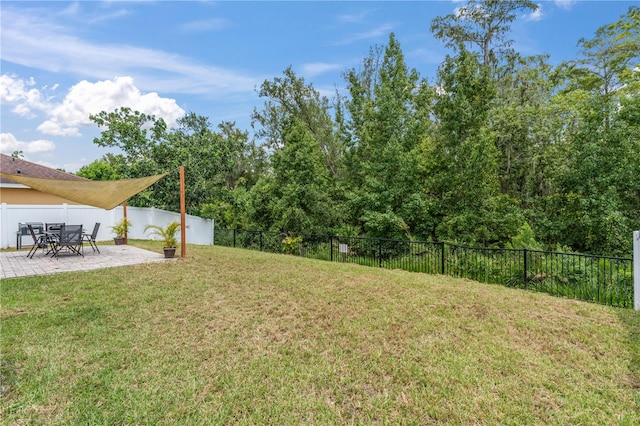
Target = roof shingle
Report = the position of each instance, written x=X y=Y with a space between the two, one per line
x=17 y=166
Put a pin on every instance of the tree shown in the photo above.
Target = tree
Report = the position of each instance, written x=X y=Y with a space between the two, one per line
x=214 y=161
x=296 y=198
x=483 y=24
x=105 y=168
x=290 y=97
x=595 y=185
x=459 y=163
x=523 y=122
x=610 y=57
x=211 y=160
x=388 y=115
x=133 y=132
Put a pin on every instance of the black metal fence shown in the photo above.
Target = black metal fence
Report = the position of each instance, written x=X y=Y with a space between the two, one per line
x=599 y=279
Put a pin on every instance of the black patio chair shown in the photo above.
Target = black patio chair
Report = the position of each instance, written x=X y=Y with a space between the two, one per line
x=91 y=238
x=53 y=227
x=39 y=241
x=70 y=238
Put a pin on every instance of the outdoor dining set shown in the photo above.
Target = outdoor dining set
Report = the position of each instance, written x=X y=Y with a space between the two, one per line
x=54 y=238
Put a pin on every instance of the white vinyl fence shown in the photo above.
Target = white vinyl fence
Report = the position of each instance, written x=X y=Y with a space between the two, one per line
x=199 y=230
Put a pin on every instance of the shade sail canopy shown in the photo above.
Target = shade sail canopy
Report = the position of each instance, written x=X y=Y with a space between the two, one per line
x=105 y=194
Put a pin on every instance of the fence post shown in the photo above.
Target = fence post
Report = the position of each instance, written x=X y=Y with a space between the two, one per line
x=234 y=238
x=636 y=270
x=442 y=258
x=379 y=252
x=331 y=245
x=260 y=240
x=524 y=252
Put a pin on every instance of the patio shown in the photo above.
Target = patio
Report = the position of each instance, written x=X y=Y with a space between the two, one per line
x=15 y=263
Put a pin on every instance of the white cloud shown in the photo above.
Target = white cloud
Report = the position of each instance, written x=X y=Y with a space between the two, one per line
x=317 y=68
x=214 y=24
x=536 y=15
x=34 y=41
x=9 y=144
x=20 y=92
x=565 y=4
x=379 y=31
x=109 y=16
x=53 y=128
x=85 y=98
x=353 y=18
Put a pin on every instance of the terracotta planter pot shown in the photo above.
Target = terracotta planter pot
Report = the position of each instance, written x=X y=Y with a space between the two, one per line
x=169 y=252
x=119 y=241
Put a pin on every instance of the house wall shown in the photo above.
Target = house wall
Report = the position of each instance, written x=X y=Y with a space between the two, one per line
x=198 y=231
x=30 y=196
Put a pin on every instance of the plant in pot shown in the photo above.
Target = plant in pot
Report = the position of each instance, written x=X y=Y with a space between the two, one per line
x=167 y=235
x=121 y=229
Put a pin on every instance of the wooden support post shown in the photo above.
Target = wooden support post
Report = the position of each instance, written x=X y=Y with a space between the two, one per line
x=124 y=212
x=183 y=224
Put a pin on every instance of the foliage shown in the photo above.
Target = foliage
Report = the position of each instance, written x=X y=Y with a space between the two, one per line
x=388 y=116
x=103 y=169
x=500 y=140
x=297 y=194
x=291 y=243
x=483 y=24
x=167 y=234
x=122 y=228
x=289 y=97
x=525 y=239
x=126 y=129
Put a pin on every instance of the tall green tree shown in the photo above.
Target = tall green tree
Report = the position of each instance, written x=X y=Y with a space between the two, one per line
x=296 y=197
x=388 y=110
x=610 y=57
x=212 y=160
x=595 y=175
x=290 y=97
x=109 y=167
x=523 y=122
x=481 y=24
x=460 y=162
x=133 y=132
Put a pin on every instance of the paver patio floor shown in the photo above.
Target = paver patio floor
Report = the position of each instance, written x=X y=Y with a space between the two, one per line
x=15 y=263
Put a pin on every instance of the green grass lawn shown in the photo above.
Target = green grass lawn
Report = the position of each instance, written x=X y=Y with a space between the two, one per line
x=243 y=337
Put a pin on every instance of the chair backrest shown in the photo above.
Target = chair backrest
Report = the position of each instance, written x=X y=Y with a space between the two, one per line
x=54 y=227
x=33 y=233
x=36 y=239
x=70 y=235
x=94 y=234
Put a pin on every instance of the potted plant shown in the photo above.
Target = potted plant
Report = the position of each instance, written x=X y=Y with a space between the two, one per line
x=121 y=229
x=167 y=235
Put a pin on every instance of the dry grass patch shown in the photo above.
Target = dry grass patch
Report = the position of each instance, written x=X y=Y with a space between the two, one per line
x=234 y=336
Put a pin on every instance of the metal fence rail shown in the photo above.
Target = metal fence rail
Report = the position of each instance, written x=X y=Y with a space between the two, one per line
x=598 y=279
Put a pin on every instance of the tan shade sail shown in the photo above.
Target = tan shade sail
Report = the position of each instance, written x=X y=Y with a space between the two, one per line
x=105 y=194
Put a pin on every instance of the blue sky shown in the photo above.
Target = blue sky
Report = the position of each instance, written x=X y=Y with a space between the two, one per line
x=61 y=61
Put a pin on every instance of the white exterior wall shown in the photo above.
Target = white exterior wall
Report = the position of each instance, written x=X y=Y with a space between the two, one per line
x=199 y=230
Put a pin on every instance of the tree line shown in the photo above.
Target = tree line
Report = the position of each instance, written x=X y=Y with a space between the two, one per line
x=500 y=150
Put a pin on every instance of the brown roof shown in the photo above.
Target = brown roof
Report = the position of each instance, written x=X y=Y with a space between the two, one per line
x=19 y=166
